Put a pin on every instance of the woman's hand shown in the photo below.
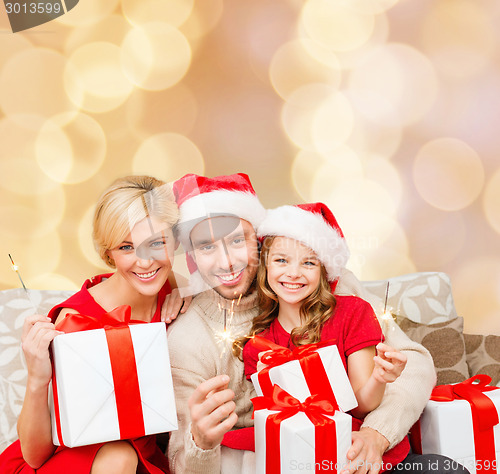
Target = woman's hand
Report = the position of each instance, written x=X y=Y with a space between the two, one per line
x=38 y=332
x=389 y=363
x=174 y=305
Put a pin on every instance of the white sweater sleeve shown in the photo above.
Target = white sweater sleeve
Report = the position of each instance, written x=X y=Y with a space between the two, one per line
x=404 y=399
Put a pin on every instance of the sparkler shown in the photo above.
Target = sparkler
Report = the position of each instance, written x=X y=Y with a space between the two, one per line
x=387 y=315
x=226 y=335
x=16 y=269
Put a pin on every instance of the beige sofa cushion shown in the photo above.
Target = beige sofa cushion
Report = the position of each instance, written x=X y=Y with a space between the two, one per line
x=483 y=356
x=445 y=342
x=14 y=307
x=424 y=297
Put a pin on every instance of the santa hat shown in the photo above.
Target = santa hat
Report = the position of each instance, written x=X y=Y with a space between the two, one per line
x=316 y=227
x=199 y=198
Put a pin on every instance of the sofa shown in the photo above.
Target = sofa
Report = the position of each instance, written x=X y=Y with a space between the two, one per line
x=420 y=303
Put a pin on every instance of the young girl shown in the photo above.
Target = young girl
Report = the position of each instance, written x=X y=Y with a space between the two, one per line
x=302 y=255
x=133 y=233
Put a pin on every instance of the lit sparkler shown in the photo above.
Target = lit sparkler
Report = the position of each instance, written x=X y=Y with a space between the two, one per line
x=387 y=315
x=16 y=269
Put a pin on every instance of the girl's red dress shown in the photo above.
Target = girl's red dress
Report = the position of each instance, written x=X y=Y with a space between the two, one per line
x=79 y=460
x=353 y=326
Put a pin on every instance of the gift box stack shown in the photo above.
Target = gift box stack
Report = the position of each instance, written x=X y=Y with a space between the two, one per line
x=111 y=380
x=461 y=421
x=300 y=424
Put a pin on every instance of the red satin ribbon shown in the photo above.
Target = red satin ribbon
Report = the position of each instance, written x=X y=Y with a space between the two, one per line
x=315 y=407
x=484 y=416
x=123 y=366
x=310 y=363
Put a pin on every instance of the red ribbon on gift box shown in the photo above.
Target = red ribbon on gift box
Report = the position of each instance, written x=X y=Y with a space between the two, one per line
x=310 y=362
x=484 y=417
x=315 y=407
x=123 y=366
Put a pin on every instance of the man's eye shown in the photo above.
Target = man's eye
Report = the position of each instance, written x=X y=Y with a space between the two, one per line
x=206 y=248
x=238 y=240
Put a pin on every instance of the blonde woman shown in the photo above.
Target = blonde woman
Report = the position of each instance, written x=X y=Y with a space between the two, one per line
x=132 y=233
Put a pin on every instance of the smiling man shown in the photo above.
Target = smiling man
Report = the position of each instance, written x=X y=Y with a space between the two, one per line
x=218 y=218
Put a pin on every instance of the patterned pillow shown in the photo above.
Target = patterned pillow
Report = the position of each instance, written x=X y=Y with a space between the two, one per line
x=445 y=342
x=14 y=307
x=421 y=297
x=483 y=356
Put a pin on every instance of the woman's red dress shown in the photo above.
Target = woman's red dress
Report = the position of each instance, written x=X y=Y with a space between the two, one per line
x=79 y=460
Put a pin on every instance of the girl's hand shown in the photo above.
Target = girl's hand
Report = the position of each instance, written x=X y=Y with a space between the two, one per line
x=174 y=305
x=261 y=365
x=38 y=332
x=389 y=363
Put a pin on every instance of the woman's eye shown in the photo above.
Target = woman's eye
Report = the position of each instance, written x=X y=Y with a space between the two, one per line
x=158 y=243
x=126 y=248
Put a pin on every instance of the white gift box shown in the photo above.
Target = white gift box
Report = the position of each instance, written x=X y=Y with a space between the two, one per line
x=289 y=377
x=446 y=428
x=85 y=388
x=297 y=445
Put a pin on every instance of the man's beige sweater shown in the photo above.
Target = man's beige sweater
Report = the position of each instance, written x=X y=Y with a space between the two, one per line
x=197 y=354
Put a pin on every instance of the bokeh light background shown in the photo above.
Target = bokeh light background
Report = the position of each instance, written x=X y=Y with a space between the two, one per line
x=386 y=110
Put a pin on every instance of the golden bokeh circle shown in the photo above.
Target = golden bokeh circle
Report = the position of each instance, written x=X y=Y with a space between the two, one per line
x=32 y=256
x=293 y=65
x=50 y=281
x=111 y=29
x=448 y=174
x=491 y=201
x=460 y=37
x=145 y=110
x=204 y=18
x=99 y=75
x=336 y=25
x=304 y=168
x=88 y=12
x=174 y=12
x=18 y=167
x=305 y=110
x=33 y=216
x=73 y=152
x=43 y=97
x=338 y=166
x=168 y=156
x=476 y=292
x=396 y=83
x=155 y=56
x=10 y=45
x=371 y=7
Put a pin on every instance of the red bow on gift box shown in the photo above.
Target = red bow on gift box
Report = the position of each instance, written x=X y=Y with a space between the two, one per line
x=309 y=359
x=123 y=366
x=315 y=407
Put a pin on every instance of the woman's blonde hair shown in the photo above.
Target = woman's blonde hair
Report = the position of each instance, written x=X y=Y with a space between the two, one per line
x=315 y=310
x=126 y=202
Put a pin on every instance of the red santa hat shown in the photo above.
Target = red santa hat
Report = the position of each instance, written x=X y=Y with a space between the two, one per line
x=315 y=226
x=199 y=198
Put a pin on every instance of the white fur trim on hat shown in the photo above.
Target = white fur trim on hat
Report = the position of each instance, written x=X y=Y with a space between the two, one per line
x=241 y=204
x=312 y=230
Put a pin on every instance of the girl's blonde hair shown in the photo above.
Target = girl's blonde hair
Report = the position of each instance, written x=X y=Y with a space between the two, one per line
x=315 y=310
x=126 y=202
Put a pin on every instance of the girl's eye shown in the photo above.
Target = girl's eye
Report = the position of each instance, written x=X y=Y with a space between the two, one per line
x=280 y=260
x=310 y=263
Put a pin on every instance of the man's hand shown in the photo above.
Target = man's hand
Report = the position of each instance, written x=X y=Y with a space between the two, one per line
x=365 y=453
x=212 y=412
x=389 y=363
